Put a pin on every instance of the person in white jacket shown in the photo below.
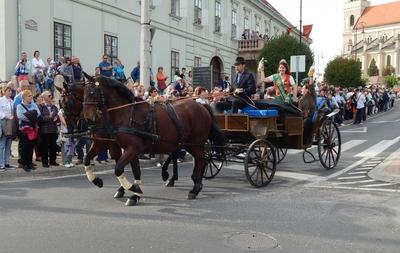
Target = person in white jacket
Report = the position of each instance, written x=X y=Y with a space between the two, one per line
x=38 y=68
x=6 y=116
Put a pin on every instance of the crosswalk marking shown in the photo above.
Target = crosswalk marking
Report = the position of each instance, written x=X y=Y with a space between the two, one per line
x=364 y=168
x=357 y=173
x=377 y=148
x=351 y=144
x=378 y=185
x=354 y=177
x=355 y=182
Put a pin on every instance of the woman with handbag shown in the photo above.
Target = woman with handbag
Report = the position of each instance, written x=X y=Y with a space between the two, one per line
x=6 y=116
x=27 y=114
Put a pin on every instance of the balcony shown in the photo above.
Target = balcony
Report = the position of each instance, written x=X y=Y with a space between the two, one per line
x=250 y=49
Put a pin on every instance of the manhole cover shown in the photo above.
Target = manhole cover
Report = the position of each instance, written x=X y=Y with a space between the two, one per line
x=251 y=241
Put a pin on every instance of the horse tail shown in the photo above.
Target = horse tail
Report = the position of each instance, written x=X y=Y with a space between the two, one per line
x=216 y=137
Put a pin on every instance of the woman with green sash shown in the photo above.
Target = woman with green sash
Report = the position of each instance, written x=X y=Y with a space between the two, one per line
x=284 y=84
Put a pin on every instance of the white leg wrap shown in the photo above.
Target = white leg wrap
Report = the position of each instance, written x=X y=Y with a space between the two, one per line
x=137 y=194
x=89 y=173
x=138 y=182
x=124 y=182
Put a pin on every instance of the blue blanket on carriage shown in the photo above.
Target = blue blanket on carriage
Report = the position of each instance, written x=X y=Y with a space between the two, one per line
x=260 y=113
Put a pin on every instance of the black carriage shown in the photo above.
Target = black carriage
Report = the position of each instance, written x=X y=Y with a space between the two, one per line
x=260 y=139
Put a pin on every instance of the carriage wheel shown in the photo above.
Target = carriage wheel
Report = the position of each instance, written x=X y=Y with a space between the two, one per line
x=213 y=166
x=329 y=145
x=280 y=154
x=260 y=163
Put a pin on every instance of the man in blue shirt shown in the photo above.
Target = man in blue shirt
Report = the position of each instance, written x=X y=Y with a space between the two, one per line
x=135 y=74
x=105 y=67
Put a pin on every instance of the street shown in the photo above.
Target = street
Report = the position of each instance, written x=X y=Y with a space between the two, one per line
x=304 y=209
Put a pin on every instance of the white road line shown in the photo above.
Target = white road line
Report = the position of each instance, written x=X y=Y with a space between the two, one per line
x=365 y=168
x=378 y=185
x=350 y=167
x=298 y=176
x=373 y=162
x=286 y=174
x=357 y=173
x=353 y=188
x=377 y=148
x=354 y=182
x=354 y=177
x=351 y=144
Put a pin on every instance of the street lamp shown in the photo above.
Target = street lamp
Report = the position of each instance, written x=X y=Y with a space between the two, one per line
x=356 y=27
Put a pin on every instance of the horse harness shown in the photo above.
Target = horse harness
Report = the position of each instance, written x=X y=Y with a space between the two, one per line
x=145 y=129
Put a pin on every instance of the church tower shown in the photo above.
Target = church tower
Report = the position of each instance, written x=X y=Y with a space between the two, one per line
x=352 y=11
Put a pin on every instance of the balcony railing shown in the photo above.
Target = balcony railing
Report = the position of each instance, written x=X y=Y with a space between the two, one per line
x=251 y=45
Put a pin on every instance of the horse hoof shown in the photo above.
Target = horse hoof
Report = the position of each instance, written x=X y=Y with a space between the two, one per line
x=98 y=182
x=164 y=175
x=119 y=194
x=192 y=195
x=170 y=183
x=132 y=201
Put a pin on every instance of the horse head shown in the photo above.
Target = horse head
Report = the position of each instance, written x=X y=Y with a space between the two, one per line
x=72 y=103
x=93 y=103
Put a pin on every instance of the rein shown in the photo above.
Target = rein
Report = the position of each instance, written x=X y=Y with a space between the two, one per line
x=140 y=102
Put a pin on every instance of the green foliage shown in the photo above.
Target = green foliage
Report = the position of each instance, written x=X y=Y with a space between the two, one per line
x=373 y=69
x=391 y=81
x=282 y=48
x=343 y=72
x=389 y=70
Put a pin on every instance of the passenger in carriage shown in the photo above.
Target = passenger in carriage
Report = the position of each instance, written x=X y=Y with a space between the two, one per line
x=245 y=86
x=284 y=84
x=307 y=104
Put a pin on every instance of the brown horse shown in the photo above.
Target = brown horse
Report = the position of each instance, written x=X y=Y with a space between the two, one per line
x=161 y=128
x=72 y=103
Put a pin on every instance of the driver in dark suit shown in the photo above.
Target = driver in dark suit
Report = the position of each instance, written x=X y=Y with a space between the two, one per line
x=245 y=86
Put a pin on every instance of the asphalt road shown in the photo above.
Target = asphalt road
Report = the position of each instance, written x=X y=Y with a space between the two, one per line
x=304 y=209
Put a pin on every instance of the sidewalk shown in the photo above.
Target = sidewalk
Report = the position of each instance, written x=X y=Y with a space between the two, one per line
x=388 y=170
x=56 y=171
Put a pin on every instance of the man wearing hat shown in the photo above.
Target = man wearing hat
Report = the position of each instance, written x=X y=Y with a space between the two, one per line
x=245 y=86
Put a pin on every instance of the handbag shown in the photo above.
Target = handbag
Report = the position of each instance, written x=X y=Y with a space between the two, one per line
x=30 y=132
x=7 y=127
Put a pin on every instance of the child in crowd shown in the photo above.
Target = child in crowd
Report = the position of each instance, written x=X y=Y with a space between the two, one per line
x=67 y=144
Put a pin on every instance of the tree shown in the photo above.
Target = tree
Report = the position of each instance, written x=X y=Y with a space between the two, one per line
x=283 y=47
x=391 y=81
x=389 y=70
x=373 y=69
x=343 y=72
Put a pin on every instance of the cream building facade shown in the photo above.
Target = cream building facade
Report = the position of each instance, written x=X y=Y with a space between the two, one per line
x=188 y=33
x=372 y=33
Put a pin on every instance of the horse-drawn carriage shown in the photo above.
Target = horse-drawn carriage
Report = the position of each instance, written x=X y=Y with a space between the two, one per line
x=260 y=140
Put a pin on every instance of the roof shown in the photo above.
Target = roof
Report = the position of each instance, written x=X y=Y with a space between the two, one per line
x=378 y=15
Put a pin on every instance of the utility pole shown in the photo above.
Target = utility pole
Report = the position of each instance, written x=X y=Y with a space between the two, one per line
x=301 y=21
x=145 y=44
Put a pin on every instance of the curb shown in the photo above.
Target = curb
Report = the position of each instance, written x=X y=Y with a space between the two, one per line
x=386 y=171
x=57 y=171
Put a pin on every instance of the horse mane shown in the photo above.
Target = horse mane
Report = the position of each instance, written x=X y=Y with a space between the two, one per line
x=120 y=88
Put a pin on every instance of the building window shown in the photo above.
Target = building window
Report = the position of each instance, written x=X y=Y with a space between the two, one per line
x=197 y=12
x=266 y=23
x=62 y=40
x=175 y=8
x=174 y=63
x=111 y=47
x=217 y=27
x=234 y=24
x=257 y=27
x=351 y=20
x=197 y=61
x=388 y=61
